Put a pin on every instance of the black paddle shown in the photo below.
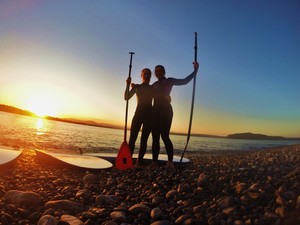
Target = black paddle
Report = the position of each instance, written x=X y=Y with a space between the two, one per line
x=124 y=158
x=192 y=106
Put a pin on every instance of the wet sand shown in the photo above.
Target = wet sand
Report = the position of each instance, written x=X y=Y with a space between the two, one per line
x=260 y=187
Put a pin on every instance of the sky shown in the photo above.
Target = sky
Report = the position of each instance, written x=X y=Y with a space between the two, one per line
x=71 y=59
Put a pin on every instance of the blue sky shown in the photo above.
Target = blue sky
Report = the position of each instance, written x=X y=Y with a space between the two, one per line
x=70 y=59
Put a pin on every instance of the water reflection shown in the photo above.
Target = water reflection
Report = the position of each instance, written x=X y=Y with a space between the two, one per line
x=40 y=127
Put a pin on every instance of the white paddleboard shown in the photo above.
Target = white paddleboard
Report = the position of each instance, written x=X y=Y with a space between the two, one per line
x=7 y=155
x=82 y=161
x=147 y=157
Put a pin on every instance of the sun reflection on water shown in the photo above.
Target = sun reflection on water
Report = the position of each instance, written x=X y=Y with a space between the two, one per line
x=40 y=128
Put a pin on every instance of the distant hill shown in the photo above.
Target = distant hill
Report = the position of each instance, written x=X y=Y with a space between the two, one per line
x=11 y=109
x=252 y=136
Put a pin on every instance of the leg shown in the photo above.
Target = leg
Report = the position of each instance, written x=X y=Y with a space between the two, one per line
x=165 y=132
x=144 y=138
x=134 y=131
x=155 y=137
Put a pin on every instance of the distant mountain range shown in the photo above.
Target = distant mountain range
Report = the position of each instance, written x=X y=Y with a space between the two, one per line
x=11 y=109
x=247 y=136
x=252 y=136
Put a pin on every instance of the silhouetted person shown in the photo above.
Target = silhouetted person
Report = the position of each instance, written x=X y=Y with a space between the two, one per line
x=163 y=112
x=142 y=114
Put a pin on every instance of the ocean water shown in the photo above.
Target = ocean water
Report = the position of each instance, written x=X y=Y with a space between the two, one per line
x=19 y=132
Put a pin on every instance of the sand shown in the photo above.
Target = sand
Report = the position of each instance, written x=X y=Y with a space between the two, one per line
x=260 y=187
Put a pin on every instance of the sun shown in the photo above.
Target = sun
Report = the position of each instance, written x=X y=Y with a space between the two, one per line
x=42 y=105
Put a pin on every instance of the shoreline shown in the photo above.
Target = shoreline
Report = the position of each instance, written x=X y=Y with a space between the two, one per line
x=236 y=187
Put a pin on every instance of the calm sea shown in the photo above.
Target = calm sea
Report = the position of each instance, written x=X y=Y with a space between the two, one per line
x=19 y=131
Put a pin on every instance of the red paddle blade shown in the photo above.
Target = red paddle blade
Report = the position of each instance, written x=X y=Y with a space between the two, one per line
x=124 y=159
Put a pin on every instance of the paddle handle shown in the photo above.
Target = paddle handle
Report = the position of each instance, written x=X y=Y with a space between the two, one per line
x=127 y=93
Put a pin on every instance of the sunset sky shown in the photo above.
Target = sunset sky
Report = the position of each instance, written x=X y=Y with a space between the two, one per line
x=70 y=59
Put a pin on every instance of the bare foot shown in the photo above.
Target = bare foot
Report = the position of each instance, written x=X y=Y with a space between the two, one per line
x=170 y=165
x=154 y=164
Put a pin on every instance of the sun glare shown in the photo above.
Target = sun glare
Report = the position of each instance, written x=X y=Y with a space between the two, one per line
x=42 y=106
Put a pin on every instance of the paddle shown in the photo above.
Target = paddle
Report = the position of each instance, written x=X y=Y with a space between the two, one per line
x=192 y=106
x=124 y=158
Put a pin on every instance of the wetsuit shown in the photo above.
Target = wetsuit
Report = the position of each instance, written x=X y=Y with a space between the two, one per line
x=162 y=114
x=141 y=117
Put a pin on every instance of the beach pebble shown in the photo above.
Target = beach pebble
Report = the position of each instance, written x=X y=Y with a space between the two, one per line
x=162 y=222
x=47 y=220
x=225 y=202
x=65 y=205
x=105 y=200
x=171 y=194
x=240 y=187
x=72 y=220
x=139 y=208
x=156 y=213
x=118 y=216
x=23 y=198
x=90 y=178
x=202 y=179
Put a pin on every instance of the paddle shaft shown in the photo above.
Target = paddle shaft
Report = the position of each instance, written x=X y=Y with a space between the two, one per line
x=127 y=93
x=193 y=100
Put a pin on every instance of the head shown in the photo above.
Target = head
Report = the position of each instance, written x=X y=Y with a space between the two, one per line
x=160 y=71
x=146 y=75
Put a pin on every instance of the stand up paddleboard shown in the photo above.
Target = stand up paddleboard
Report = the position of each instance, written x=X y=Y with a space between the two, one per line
x=8 y=155
x=147 y=157
x=79 y=161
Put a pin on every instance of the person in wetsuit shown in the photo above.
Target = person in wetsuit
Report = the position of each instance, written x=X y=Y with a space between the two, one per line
x=142 y=114
x=162 y=113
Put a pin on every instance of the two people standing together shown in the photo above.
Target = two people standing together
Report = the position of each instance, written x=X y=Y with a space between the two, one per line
x=157 y=117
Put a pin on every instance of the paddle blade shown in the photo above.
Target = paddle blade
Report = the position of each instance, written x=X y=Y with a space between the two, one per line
x=124 y=158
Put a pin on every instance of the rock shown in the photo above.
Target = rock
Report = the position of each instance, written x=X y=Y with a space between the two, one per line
x=281 y=201
x=171 y=194
x=162 y=222
x=105 y=200
x=156 y=213
x=139 y=208
x=83 y=193
x=118 y=216
x=47 y=220
x=281 y=211
x=183 y=187
x=72 y=220
x=229 y=210
x=64 y=205
x=225 y=202
x=23 y=198
x=181 y=219
x=240 y=187
x=202 y=179
x=90 y=178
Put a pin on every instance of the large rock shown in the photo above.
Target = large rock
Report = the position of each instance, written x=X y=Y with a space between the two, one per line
x=47 y=220
x=72 y=220
x=65 y=205
x=139 y=208
x=23 y=198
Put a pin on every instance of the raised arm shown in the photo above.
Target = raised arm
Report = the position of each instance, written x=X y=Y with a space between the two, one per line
x=188 y=78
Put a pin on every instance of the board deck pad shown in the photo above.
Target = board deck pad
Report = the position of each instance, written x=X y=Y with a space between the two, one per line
x=147 y=157
x=7 y=155
x=81 y=161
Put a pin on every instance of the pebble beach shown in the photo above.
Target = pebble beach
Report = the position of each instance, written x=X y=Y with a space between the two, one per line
x=253 y=187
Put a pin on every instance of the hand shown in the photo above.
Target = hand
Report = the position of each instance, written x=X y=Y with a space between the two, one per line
x=128 y=81
x=196 y=66
x=132 y=85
